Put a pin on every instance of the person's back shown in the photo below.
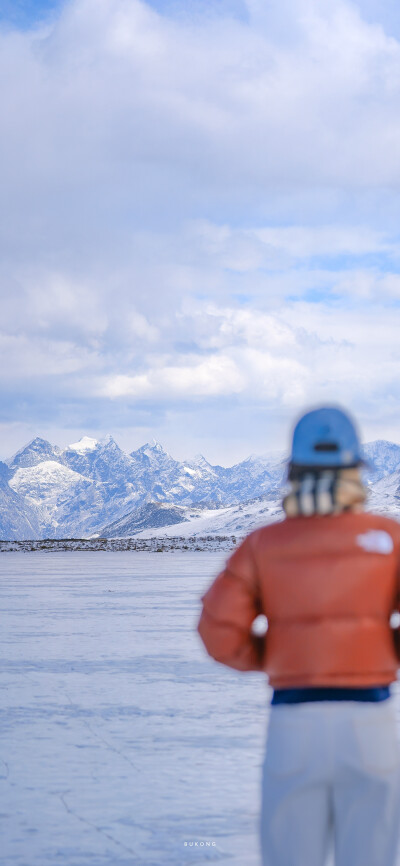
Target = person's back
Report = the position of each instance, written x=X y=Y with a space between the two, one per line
x=327 y=578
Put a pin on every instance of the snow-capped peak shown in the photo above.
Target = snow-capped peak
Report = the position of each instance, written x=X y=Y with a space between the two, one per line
x=34 y=452
x=153 y=448
x=108 y=440
x=84 y=444
x=199 y=461
x=156 y=446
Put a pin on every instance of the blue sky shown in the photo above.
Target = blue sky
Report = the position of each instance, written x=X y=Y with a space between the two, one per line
x=199 y=220
x=26 y=13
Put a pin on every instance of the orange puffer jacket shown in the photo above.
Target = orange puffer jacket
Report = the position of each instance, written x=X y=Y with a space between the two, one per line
x=327 y=585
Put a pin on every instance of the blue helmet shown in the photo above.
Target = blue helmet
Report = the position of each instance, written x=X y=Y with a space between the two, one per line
x=326 y=438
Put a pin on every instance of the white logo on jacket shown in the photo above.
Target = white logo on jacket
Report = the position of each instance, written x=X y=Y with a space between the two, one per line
x=376 y=541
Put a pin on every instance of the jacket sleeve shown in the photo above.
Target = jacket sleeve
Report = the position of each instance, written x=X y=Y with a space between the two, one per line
x=396 y=606
x=229 y=607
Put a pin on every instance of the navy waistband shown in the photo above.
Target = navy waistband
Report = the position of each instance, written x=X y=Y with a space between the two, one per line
x=330 y=693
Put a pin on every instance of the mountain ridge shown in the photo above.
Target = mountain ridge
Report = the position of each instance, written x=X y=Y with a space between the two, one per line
x=93 y=487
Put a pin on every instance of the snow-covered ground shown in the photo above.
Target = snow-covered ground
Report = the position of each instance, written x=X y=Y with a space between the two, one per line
x=121 y=740
x=236 y=519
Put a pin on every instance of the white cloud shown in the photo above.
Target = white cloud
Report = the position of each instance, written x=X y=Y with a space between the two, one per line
x=113 y=95
x=141 y=328
x=176 y=194
x=216 y=375
x=22 y=360
x=301 y=242
x=368 y=285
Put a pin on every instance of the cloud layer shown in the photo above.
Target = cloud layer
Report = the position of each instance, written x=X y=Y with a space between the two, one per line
x=199 y=228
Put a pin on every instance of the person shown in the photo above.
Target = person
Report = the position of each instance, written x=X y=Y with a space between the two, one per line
x=327 y=579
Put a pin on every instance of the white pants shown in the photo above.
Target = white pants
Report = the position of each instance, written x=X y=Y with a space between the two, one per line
x=331 y=779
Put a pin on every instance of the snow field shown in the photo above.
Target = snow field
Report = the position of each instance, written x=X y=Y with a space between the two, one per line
x=121 y=740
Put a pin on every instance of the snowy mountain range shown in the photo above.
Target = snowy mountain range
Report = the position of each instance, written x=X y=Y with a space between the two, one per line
x=94 y=488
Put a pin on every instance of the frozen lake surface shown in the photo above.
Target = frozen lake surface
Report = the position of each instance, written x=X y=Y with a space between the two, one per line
x=120 y=739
